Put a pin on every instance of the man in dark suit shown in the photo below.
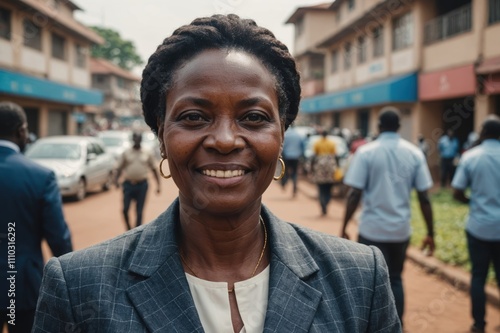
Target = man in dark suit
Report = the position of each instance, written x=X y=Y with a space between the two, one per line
x=30 y=210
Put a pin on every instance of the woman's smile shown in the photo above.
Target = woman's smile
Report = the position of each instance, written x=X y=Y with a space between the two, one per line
x=223 y=174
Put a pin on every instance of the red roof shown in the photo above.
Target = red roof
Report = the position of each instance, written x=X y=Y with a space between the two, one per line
x=103 y=66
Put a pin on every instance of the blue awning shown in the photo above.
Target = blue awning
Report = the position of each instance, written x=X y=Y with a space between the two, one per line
x=400 y=89
x=30 y=86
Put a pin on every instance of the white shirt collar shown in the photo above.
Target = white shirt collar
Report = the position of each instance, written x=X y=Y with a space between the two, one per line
x=10 y=144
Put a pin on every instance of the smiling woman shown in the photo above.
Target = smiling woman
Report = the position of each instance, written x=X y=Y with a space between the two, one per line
x=219 y=93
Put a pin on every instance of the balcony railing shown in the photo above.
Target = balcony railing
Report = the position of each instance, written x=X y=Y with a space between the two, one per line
x=453 y=23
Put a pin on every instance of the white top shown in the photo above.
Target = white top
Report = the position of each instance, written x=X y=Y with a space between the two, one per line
x=212 y=303
x=387 y=170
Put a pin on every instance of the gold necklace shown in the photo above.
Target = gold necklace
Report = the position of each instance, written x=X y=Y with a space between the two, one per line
x=256 y=266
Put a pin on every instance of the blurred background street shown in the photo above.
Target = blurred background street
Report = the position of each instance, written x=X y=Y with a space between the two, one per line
x=75 y=68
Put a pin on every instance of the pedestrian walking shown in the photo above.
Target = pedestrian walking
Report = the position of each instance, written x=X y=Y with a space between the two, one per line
x=31 y=210
x=293 y=151
x=217 y=260
x=423 y=145
x=323 y=167
x=136 y=163
x=448 y=147
x=478 y=170
x=384 y=172
x=357 y=141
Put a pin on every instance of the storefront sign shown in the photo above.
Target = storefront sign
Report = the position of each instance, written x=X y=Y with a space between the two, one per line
x=400 y=89
x=446 y=84
x=30 y=86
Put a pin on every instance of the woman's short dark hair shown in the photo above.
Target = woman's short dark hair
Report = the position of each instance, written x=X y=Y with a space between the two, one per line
x=218 y=32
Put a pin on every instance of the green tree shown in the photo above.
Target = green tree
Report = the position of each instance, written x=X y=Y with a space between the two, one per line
x=115 y=49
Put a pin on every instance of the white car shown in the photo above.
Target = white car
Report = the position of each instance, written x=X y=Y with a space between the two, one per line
x=116 y=142
x=80 y=163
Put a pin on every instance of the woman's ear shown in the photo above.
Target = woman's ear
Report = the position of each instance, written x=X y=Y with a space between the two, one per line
x=159 y=125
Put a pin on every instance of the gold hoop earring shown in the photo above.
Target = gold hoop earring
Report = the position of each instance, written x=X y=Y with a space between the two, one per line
x=282 y=173
x=161 y=171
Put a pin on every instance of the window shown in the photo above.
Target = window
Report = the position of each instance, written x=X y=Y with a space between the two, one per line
x=402 y=34
x=98 y=79
x=80 y=56
x=362 y=56
x=120 y=82
x=58 y=46
x=378 y=42
x=351 y=4
x=32 y=35
x=5 y=23
x=347 y=56
x=299 y=27
x=335 y=61
x=494 y=11
x=98 y=148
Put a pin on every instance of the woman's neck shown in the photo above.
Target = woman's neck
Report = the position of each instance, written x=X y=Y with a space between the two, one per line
x=222 y=247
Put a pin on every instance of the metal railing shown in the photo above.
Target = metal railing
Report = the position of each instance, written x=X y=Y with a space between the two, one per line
x=493 y=11
x=453 y=23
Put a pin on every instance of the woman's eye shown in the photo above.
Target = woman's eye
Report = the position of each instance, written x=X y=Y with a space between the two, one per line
x=192 y=117
x=255 y=117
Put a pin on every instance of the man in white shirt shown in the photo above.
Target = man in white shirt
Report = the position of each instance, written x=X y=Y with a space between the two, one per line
x=384 y=172
x=136 y=163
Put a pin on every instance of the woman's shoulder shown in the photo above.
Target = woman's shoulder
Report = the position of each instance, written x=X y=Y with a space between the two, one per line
x=110 y=252
x=141 y=246
x=325 y=247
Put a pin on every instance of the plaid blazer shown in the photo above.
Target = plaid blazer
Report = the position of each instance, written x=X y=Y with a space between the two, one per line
x=136 y=283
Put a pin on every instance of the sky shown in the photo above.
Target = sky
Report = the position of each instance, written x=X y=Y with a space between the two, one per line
x=146 y=23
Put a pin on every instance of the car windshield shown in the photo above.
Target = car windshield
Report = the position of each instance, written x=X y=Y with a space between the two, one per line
x=110 y=141
x=51 y=150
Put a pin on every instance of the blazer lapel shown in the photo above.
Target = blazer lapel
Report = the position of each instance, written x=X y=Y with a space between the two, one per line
x=292 y=302
x=165 y=304
x=161 y=296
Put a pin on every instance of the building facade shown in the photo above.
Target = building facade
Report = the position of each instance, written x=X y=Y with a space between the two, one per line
x=121 y=102
x=438 y=61
x=44 y=64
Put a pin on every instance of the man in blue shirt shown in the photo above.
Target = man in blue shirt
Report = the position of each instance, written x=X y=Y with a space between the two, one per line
x=384 y=172
x=448 y=149
x=478 y=170
x=293 y=150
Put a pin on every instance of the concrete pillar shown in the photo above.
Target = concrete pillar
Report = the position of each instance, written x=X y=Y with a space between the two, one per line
x=71 y=122
x=43 y=121
x=483 y=107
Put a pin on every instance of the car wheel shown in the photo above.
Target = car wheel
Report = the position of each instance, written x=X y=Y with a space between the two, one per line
x=81 y=190
x=108 y=183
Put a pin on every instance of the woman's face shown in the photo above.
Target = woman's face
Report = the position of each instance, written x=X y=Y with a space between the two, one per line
x=222 y=133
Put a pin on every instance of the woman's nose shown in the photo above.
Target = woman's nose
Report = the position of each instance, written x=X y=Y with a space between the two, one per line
x=225 y=136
